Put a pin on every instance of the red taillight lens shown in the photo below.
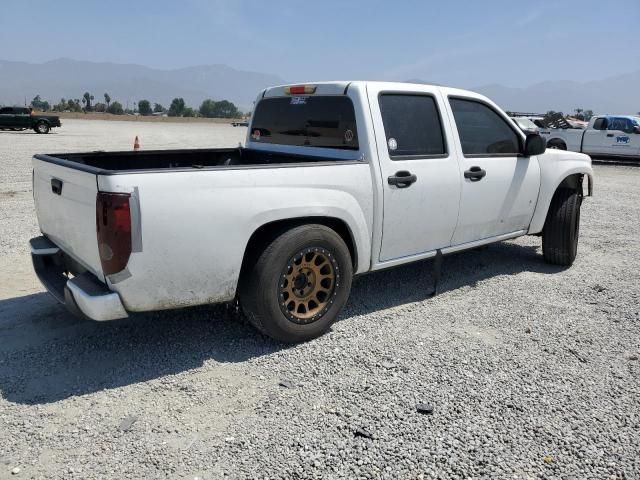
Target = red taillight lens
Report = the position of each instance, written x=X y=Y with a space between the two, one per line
x=113 y=226
x=300 y=90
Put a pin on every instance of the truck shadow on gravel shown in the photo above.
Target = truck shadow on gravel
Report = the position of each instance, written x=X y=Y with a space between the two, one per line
x=47 y=355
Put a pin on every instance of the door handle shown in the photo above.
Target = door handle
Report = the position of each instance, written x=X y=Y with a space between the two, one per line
x=475 y=174
x=402 y=179
x=56 y=186
x=609 y=134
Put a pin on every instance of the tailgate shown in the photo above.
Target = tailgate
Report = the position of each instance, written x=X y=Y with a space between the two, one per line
x=65 y=201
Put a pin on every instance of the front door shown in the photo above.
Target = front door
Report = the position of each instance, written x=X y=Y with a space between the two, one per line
x=420 y=173
x=622 y=138
x=499 y=186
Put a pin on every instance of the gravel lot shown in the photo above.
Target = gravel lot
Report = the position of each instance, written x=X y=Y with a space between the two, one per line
x=532 y=371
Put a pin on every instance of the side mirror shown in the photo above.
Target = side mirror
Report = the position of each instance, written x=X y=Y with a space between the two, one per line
x=636 y=129
x=534 y=145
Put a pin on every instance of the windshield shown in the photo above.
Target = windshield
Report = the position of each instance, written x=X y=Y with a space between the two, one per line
x=309 y=121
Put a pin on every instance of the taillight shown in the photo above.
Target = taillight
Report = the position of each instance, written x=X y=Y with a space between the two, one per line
x=113 y=226
x=300 y=90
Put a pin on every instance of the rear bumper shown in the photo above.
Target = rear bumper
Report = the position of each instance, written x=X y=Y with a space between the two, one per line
x=83 y=294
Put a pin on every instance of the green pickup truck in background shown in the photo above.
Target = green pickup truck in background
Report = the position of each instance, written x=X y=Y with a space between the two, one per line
x=22 y=118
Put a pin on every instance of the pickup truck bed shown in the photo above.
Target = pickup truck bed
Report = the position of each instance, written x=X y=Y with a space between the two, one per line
x=109 y=163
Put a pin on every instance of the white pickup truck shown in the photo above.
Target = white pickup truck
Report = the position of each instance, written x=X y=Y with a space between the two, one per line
x=336 y=179
x=615 y=136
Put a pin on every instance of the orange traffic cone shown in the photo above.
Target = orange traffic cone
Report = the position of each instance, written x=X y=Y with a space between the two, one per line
x=136 y=144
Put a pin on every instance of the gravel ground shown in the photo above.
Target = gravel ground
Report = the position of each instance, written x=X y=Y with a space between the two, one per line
x=531 y=371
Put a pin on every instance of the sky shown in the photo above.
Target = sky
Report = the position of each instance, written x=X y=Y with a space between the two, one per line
x=453 y=42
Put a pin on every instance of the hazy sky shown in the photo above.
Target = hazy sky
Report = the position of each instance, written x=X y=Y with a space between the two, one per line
x=465 y=43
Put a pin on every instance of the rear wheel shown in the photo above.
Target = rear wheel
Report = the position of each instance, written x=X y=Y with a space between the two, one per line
x=42 y=127
x=562 y=227
x=294 y=290
x=556 y=144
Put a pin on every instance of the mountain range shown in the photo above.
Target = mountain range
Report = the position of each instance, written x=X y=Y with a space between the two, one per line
x=129 y=83
x=66 y=78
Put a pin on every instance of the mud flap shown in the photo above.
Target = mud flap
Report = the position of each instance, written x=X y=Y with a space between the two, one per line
x=437 y=268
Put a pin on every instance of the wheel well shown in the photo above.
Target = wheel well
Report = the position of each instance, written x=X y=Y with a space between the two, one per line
x=572 y=182
x=556 y=141
x=268 y=232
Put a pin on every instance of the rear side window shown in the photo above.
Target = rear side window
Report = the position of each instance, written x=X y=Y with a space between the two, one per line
x=6 y=110
x=412 y=125
x=310 y=121
x=482 y=131
x=600 y=124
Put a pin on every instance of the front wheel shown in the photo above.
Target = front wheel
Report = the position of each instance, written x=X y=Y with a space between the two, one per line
x=562 y=227
x=42 y=127
x=297 y=286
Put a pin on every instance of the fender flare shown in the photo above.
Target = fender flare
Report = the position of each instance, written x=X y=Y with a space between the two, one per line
x=542 y=208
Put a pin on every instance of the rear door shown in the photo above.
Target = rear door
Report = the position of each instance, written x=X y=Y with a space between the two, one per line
x=499 y=186
x=65 y=200
x=420 y=173
x=596 y=139
x=23 y=118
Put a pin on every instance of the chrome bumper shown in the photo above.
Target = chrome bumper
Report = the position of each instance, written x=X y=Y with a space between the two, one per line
x=84 y=295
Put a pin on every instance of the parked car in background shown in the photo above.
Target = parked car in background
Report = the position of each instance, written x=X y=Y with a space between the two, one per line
x=336 y=179
x=616 y=136
x=22 y=118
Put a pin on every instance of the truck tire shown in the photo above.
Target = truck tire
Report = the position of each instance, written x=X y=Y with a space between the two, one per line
x=556 y=144
x=42 y=127
x=296 y=287
x=562 y=227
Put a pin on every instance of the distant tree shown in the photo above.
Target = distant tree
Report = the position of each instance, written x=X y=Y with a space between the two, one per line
x=221 y=109
x=61 y=106
x=115 y=108
x=86 y=100
x=584 y=115
x=226 y=109
x=144 y=107
x=157 y=108
x=107 y=99
x=73 y=105
x=100 y=107
x=208 y=108
x=176 y=109
x=189 y=112
x=38 y=104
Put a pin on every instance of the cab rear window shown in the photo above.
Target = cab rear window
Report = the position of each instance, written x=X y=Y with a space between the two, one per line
x=306 y=121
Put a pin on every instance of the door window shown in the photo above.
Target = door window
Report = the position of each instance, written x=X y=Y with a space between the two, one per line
x=6 y=111
x=412 y=126
x=600 y=124
x=623 y=124
x=482 y=131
